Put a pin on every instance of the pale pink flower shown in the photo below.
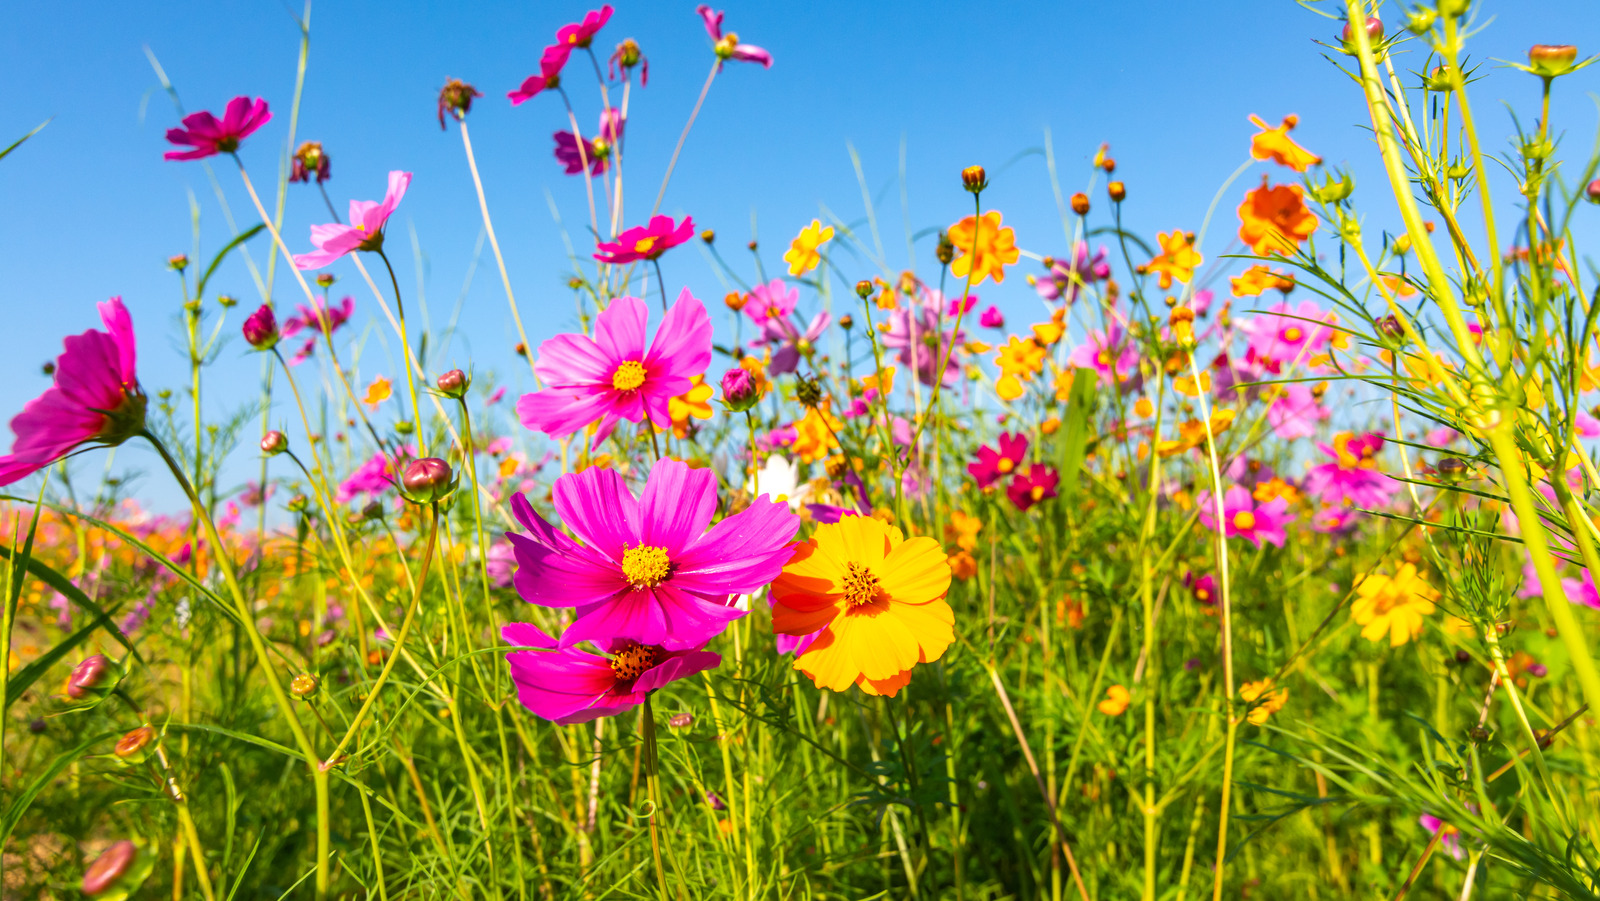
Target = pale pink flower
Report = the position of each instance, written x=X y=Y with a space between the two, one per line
x=365 y=231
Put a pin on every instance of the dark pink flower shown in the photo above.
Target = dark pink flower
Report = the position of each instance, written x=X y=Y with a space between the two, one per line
x=581 y=34
x=992 y=318
x=261 y=328
x=646 y=242
x=596 y=150
x=727 y=46
x=365 y=231
x=551 y=62
x=647 y=570
x=312 y=317
x=1203 y=588
x=614 y=376
x=1351 y=479
x=1068 y=277
x=209 y=137
x=96 y=398
x=566 y=685
x=994 y=465
x=1037 y=484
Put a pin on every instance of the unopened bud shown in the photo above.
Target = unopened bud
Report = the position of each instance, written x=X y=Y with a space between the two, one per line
x=946 y=250
x=1592 y=192
x=135 y=747
x=119 y=871
x=427 y=480
x=735 y=301
x=297 y=504
x=1551 y=60
x=1374 y=31
x=93 y=679
x=1080 y=203
x=304 y=686
x=1117 y=190
x=863 y=289
x=178 y=262
x=404 y=427
x=681 y=720
x=261 y=329
x=708 y=236
x=974 y=179
x=227 y=301
x=454 y=384
x=739 y=389
x=325 y=280
x=521 y=349
x=1453 y=469
x=846 y=323
x=274 y=443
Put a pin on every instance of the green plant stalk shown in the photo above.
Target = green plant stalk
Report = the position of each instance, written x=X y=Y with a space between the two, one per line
x=1146 y=533
x=411 y=366
x=494 y=244
x=653 y=786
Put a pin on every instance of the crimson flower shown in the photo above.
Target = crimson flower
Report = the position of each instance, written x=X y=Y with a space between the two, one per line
x=581 y=34
x=646 y=242
x=1037 y=484
x=209 y=137
x=596 y=150
x=727 y=46
x=993 y=465
x=549 y=74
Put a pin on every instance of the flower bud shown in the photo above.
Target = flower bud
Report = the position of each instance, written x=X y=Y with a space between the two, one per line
x=92 y=681
x=274 y=443
x=404 y=427
x=1374 y=32
x=715 y=801
x=708 y=236
x=1080 y=203
x=179 y=262
x=1551 y=60
x=1463 y=657
x=1332 y=190
x=681 y=720
x=135 y=747
x=946 y=251
x=227 y=301
x=752 y=246
x=1592 y=192
x=521 y=349
x=846 y=323
x=1117 y=190
x=1453 y=469
x=1419 y=20
x=261 y=329
x=297 y=504
x=427 y=480
x=1389 y=327
x=974 y=179
x=119 y=871
x=739 y=390
x=325 y=280
x=304 y=686
x=454 y=384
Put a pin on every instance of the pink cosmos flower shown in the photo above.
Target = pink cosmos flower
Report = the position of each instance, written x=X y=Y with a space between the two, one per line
x=1245 y=518
x=96 y=398
x=1037 y=484
x=771 y=301
x=613 y=376
x=566 y=685
x=727 y=45
x=580 y=35
x=957 y=307
x=311 y=317
x=1334 y=520
x=647 y=570
x=596 y=150
x=994 y=465
x=365 y=231
x=1203 y=588
x=1277 y=339
x=911 y=331
x=209 y=137
x=646 y=242
x=373 y=477
x=1351 y=479
x=1068 y=277
x=790 y=340
x=1110 y=353
x=992 y=318
x=1451 y=842
x=551 y=62
x=1295 y=412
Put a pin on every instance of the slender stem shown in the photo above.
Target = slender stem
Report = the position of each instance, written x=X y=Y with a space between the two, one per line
x=653 y=786
x=494 y=244
x=661 y=283
x=673 y=163
x=405 y=345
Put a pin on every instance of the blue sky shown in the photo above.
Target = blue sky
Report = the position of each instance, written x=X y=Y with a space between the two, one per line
x=91 y=209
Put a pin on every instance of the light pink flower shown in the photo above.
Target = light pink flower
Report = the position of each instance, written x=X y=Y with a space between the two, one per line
x=1287 y=334
x=365 y=231
x=96 y=398
x=1256 y=523
x=1110 y=353
x=910 y=328
x=647 y=570
x=209 y=136
x=614 y=376
x=1295 y=412
x=567 y=685
x=770 y=302
x=727 y=46
x=1068 y=277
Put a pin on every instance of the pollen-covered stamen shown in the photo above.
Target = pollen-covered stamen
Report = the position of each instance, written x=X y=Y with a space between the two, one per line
x=1005 y=464
x=645 y=566
x=1292 y=334
x=645 y=244
x=859 y=584
x=631 y=662
x=628 y=376
x=1244 y=520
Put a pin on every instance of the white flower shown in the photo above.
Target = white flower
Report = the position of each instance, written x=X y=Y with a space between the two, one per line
x=779 y=478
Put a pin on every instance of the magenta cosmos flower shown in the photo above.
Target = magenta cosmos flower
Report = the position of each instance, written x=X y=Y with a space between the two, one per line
x=1245 y=518
x=647 y=570
x=992 y=318
x=548 y=77
x=365 y=231
x=1111 y=353
x=596 y=150
x=995 y=464
x=579 y=35
x=771 y=301
x=1352 y=478
x=96 y=398
x=1068 y=277
x=910 y=331
x=1287 y=334
x=1037 y=484
x=1295 y=411
x=566 y=685
x=614 y=376
x=646 y=242
x=207 y=136
x=791 y=342
x=727 y=46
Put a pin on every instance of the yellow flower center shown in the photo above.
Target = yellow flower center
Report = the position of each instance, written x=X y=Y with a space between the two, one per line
x=644 y=245
x=1037 y=493
x=1203 y=594
x=645 y=566
x=1244 y=520
x=629 y=375
x=1291 y=334
x=860 y=585
x=1005 y=465
x=630 y=663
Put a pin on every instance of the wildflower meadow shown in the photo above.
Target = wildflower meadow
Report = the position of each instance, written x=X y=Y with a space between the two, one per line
x=1257 y=561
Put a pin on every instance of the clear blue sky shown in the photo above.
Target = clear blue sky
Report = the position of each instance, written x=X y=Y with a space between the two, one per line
x=91 y=209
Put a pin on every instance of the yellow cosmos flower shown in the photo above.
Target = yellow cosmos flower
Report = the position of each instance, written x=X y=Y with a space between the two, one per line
x=802 y=256
x=963 y=529
x=983 y=248
x=1177 y=260
x=876 y=597
x=1393 y=605
x=692 y=403
x=1276 y=145
x=1257 y=279
x=815 y=433
x=1264 y=700
x=377 y=392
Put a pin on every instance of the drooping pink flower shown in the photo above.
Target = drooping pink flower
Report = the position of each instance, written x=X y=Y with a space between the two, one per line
x=96 y=398
x=770 y=302
x=551 y=63
x=568 y=685
x=995 y=463
x=1256 y=523
x=958 y=306
x=312 y=317
x=790 y=340
x=580 y=35
x=1111 y=353
x=208 y=136
x=1295 y=412
x=727 y=46
x=365 y=231
x=646 y=242
x=614 y=376
x=1037 y=484
x=1351 y=478
x=597 y=150
x=1287 y=334
x=647 y=570
x=1068 y=277
x=992 y=318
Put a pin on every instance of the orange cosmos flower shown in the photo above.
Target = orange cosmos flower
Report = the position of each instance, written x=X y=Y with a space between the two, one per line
x=1257 y=279
x=1275 y=219
x=993 y=248
x=1115 y=702
x=1276 y=145
x=876 y=600
x=377 y=392
x=1178 y=258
